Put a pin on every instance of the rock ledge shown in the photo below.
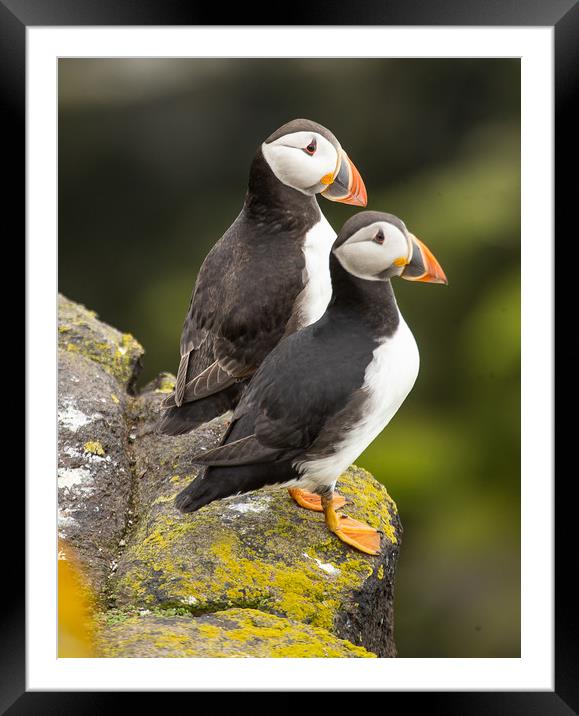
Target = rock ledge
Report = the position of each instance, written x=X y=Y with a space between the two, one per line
x=253 y=575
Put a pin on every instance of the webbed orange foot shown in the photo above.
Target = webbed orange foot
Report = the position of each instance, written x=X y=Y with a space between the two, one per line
x=358 y=535
x=311 y=501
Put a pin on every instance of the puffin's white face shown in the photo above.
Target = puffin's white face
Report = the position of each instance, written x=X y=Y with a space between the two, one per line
x=376 y=252
x=305 y=161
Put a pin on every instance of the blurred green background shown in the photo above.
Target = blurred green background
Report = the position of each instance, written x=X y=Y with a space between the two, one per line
x=153 y=163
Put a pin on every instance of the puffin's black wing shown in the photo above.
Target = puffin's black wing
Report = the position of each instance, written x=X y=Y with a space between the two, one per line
x=205 y=367
x=215 y=337
x=299 y=388
x=246 y=451
x=308 y=381
x=238 y=312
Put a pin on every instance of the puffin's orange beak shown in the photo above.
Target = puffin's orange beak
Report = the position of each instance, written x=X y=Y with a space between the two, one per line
x=346 y=184
x=423 y=266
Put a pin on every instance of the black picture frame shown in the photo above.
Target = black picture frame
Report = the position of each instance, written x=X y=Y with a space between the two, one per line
x=563 y=15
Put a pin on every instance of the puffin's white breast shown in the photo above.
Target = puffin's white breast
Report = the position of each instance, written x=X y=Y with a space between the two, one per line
x=318 y=286
x=389 y=378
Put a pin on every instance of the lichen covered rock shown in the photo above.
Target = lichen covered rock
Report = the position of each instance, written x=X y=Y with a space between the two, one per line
x=262 y=551
x=231 y=633
x=258 y=554
x=80 y=332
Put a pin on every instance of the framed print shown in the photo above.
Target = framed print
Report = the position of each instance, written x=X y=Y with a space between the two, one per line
x=136 y=128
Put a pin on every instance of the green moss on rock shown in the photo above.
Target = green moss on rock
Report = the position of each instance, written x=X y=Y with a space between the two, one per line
x=238 y=633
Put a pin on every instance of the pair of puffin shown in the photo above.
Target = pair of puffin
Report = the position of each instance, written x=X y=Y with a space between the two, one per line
x=297 y=331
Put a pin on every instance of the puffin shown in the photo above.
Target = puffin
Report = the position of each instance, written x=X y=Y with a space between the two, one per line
x=325 y=392
x=266 y=277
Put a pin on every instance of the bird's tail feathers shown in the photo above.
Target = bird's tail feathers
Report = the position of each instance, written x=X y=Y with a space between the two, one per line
x=187 y=417
x=201 y=491
x=246 y=451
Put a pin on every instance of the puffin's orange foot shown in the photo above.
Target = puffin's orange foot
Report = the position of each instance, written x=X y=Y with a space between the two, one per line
x=311 y=501
x=357 y=534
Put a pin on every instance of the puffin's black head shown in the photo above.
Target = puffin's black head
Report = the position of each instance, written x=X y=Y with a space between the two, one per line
x=306 y=156
x=376 y=246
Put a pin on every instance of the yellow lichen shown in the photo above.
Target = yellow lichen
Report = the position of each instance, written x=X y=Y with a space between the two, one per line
x=94 y=447
x=172 y=641
x=287 y=640
x=163 y=498
x=208 y=631
x=317 y=650
x=165 y=383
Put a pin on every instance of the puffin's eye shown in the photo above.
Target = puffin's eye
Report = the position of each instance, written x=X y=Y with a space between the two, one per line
x=379 y=238
x=311 y=148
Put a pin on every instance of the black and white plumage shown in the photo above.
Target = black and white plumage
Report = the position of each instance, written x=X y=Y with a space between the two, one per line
x=266 y=277
x=325 y=392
